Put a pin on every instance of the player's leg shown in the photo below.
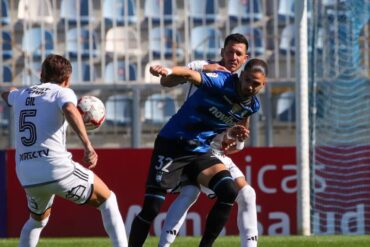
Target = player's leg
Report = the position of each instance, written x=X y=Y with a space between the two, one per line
x=176 y=214
x=220 y=181
x=247 y=213
x=39 y=202
x=105 y=200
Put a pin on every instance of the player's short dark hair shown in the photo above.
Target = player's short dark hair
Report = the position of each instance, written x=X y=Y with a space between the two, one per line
x=256 y=64
x=237 y=38
x=55 y=69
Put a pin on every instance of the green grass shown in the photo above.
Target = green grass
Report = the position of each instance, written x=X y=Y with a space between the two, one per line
x=283 y=241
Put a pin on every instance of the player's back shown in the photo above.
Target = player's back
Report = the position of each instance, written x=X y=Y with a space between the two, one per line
x=41 y=132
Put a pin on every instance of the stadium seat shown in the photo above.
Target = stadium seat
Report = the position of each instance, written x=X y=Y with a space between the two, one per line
x=203 y=12
x=5 y=114
x=255 y=38
x=123 y=41
x=159 y=108
x=206 y=42
x=118 y=110
x=244 y=11
x=155 y=10
x=31 y=72
x=6 y=45
x=148 y=77
x=37 y=42
x=36 y=11
x=74 y=11
x=6 y=75
x=287 y=44
x=165 y=43
x=5 y=17
x=114 y=12
x=119 y=72
x=81 y=74
x=285 y=107
x=286 y=11
x=78 y=43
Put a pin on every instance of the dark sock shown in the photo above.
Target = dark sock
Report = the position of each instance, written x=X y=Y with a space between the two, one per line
x=139 y=232
x=216 y=220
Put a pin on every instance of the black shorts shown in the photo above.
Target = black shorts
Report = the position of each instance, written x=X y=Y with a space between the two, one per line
x=169 y=159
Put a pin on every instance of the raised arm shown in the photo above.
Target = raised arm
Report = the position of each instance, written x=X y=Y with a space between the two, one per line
x=176 y=75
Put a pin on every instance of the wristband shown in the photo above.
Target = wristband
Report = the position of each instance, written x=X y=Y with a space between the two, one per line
x=169 y=71
x=239 y=145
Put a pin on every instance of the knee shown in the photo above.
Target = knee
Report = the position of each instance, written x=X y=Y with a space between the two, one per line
x=152 y=205
x=223 y=185
x=190 y=193
x=246 y=195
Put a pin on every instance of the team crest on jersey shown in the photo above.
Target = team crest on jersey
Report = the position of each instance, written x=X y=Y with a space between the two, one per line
x=211 y=74
x=237 y=108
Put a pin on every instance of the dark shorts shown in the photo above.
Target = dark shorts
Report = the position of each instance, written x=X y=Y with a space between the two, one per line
x=169 y=159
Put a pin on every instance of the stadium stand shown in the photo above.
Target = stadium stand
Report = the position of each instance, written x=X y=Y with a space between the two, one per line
x=82 y=72
x=160 y=11
x=159 y=108
x=206 y=42
x=165 y=43
x=118 y=110
x=245 y=11
x=120 y=72
x=35 y=11
x=5 y=17
x=6 y=75
x=6 y=45
x=74 y=11
x=123 y=41
x=81 y=43
x=119 y=12
x=203 y=12
x=37 y=42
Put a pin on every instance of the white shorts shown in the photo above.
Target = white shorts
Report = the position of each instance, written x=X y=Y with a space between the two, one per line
x=230 y=165
x=77 y=188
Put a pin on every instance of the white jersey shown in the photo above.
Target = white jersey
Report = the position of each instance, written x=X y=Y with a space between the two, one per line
x=40 y=136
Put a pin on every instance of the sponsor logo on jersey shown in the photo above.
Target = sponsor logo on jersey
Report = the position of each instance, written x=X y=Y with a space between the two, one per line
x=220 y=115
x=34 y=155
x=211 y=74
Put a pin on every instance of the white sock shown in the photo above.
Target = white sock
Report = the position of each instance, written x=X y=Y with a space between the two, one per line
x=176 y=214
x=247 y=216
x=113 y=222
x=31 y=231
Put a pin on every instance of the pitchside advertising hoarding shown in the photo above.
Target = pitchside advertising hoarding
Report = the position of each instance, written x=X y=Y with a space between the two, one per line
x=271 y=171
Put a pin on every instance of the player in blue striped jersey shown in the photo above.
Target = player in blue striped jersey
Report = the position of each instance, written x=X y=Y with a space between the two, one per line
x=183 y=144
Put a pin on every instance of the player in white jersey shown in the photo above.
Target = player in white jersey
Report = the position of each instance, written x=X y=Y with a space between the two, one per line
x=44 y=167
x=234 y=55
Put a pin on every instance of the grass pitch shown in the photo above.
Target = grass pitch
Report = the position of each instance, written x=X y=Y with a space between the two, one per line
x=264 y=241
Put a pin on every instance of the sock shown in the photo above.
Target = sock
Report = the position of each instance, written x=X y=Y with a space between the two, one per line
x=141 y=225
x=247 y=217
x=176 y=214
x=31 y=231
x=112 y=221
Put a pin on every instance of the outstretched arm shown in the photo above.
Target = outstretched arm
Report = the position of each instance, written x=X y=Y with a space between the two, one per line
x=176 y=75
x=5 y=94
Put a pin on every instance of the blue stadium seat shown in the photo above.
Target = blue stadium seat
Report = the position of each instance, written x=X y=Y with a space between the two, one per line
x=244 y=11
x=78 y=43
x=203 y=12
x=286 y=10
x=255 y=37
x=206 y=42
x=4 y=114
x=285 y=107
x=114 y=11
x=6 y=75
x=167 y=42
x=123 y=41
x=154 y=13
x=36 y=11
x=6 y=45
x=120 y=72
x=287 y=43
x=37 y=42
x=73 y=11
x=5 y=17
x=85 y=75
x=159 y=108
x=118 y=110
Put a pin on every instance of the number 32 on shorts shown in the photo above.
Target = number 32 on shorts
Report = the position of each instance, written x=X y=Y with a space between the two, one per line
x=163 y=163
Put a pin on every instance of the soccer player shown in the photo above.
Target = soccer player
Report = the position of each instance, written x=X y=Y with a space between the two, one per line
x=234 y=55
x=183 y=144
x=44 y=167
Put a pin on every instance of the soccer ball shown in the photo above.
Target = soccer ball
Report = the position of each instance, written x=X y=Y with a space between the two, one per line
x=92 y=110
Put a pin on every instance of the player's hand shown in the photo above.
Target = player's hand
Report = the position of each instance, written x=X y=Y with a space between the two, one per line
x=90 y=157
x=213 y=67
x=158 y=70
x=238 y=132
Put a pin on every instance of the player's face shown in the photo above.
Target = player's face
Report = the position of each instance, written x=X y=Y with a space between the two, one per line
x=234 y=56
x=251 y=83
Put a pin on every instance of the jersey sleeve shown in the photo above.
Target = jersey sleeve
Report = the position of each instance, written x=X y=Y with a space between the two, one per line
x=12 y=96
x=214 y=79
x=66 y=95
